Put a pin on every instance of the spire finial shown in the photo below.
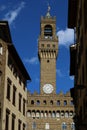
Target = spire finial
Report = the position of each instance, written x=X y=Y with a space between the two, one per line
x=49 y=7
x=48 y=11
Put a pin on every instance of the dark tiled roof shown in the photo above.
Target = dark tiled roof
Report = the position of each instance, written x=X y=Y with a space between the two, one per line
x=5 y=32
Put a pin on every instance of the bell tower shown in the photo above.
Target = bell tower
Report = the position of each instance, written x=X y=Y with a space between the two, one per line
x=47 y=52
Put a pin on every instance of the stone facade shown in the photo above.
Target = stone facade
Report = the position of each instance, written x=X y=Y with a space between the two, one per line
x=51 y=112
x=13 y=94
x=48 y=110
x=77 y=20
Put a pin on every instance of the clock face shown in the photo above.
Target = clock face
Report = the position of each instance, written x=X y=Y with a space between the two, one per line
x=48 y=88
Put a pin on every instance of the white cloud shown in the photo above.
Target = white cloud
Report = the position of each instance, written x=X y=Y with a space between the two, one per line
x=33 y=60
x=66 y=37
x=59 y=73
x=11 y=15
x=71 y=77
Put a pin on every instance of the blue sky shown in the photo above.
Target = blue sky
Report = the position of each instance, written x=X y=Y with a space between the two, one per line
x=24 y=21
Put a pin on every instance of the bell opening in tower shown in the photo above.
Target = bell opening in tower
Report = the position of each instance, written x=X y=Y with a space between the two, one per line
x=48 y=31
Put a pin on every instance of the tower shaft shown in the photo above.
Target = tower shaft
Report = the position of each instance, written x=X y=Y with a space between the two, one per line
x=47 y=51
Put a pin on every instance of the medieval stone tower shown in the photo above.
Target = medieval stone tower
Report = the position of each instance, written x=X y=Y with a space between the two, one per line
x=48 y=50
x=48 y=110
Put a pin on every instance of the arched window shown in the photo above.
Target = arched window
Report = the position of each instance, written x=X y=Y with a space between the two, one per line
x=33 y=114
x=44 y=102
x=71 y=102
x=64 y=126
x=71 y=114
x=65 y=102
x=53 y=114
x=37 y=113
x=72 y=126
x=42 y=114
x=62 y=114
x=32 y=102
x=51 y=102
x=58 y=102
x=49 y=114
x=58 y=114
x=38 y=102
x=28 y=113
x=48 y=31
x=66 y=114
x=1 y=49
x=45 y=114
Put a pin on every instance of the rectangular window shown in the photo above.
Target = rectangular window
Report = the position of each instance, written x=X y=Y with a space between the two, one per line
x=24 y=86
x=15 y=72
x=24 y=103
x=8 y=88
x=47 y=126
x=24 y=126
x=7 y=120
x=42 y=45
x=54 y=46
x=33 y=125
x=13 y=122
x=48 y=45
x=19 y=124
x=20 y=97
x=20 y=80
x=14 y=95
x=10 y=64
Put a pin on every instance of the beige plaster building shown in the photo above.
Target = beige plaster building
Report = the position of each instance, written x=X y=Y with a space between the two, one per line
x=48 y=110
x=13 y=78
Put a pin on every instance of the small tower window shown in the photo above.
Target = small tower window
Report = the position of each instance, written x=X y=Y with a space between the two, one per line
x=51 y=102
x=32 y=102
x=44 y=102
x=48 y=31
x=65 y=102
x=71 y=102
x=48 y=45
x=48 y=61
x=38 y=102
x=58 y=102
